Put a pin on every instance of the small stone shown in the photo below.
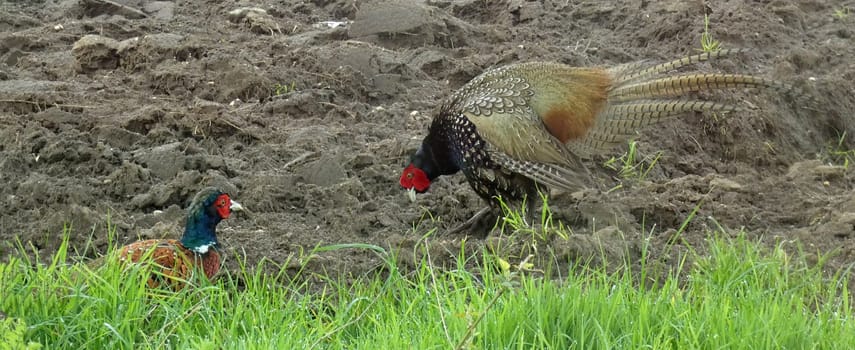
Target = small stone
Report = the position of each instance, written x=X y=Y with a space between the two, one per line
x=162 y=10
x=93 y=52
x=814 y=169
x=257 y=19
x=608 y=233
x=238 y=15
x=847 y=218
x=725 y=184
x=829 y=171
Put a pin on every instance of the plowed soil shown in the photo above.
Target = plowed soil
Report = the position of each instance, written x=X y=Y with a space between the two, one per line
x=306 y=111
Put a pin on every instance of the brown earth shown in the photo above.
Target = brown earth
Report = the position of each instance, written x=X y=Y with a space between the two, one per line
x=121 y=113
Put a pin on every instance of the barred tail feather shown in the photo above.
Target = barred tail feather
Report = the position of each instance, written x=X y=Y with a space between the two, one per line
x=635 y=71
x=627 y=117
x=684 y=84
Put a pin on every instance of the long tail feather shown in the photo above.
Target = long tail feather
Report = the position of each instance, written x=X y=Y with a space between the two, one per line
x=634 y=71
x=626 y=118
x=684 y=84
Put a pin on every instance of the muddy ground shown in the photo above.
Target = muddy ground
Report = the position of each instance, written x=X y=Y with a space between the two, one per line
x=307 y=111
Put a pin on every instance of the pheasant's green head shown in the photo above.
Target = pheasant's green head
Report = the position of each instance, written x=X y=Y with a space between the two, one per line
x=209 y=207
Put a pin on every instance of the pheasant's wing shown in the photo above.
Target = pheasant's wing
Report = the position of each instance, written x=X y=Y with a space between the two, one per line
x=170 y=262
x=499 y=104
x=527 y=112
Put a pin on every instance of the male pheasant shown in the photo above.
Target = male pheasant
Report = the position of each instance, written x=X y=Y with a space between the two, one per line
x=515 y=128
x=174 y=261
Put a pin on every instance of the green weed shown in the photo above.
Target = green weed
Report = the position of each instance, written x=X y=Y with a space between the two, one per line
x=839 y=153
x=632 y=166
x=841 y=13
x=281 y=89
x=708 y=43
x=12 y=333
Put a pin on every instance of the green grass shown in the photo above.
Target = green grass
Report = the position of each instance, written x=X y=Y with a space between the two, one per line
x=631 y=166
x=12 y=333
x=282 y=89
x=841 y=13
x=739 y=295
x=708 y=43
x=839 y=153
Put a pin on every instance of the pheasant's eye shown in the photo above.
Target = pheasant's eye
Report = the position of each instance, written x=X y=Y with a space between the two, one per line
x=409 y=175
x=222 y=202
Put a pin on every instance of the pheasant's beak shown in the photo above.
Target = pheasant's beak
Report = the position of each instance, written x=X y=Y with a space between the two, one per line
x=411 y=194
x=236 y=206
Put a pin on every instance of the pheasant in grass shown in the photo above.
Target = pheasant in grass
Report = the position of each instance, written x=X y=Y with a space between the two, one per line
x=523 y=126
x=176 y=260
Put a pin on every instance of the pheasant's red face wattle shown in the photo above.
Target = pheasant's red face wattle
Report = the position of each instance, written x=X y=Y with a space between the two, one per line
x=223 y=205
x=415 y=178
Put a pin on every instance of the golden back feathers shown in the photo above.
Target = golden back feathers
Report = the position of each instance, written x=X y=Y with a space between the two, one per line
x=551 y=113
x=174 y=264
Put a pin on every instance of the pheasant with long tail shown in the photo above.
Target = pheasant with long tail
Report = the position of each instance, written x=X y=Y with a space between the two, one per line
x=517 y=128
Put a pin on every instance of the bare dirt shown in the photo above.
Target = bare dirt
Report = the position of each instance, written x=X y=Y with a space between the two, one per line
x=306 y=111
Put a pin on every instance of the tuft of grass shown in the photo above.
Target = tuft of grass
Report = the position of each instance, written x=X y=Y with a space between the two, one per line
x=841 y=13
x=282 y=89
x=708 y=43
x=738 y=295
x=515 y=221
x=631 y=165
x=12 y=333
x=839 y=153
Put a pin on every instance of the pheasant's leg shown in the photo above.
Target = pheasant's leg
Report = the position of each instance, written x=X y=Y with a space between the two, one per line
x=531 y=196
x=477 y=221
x=529 y=210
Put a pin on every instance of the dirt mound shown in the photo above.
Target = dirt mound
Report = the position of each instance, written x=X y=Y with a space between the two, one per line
x=306 y=112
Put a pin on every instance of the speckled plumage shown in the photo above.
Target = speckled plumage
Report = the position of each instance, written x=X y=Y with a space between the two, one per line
x=516 y=128
x=174 y=261
x=469 y=152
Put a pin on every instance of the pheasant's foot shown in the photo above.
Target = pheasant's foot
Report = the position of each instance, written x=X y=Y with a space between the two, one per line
x=483 y=220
